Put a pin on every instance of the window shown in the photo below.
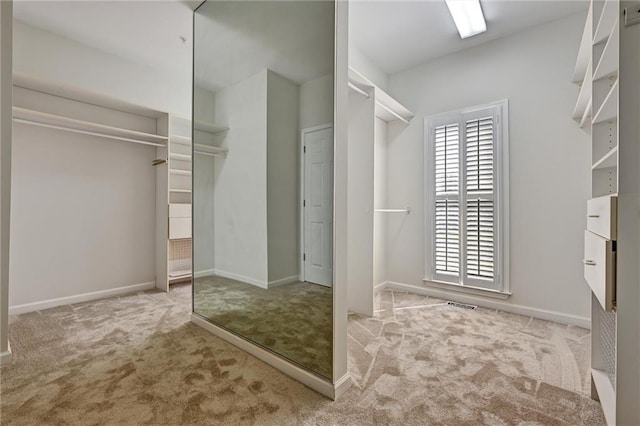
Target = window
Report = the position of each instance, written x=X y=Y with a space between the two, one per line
x=467 y=206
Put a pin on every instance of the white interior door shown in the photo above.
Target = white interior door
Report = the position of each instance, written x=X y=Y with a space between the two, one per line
x=318 y=205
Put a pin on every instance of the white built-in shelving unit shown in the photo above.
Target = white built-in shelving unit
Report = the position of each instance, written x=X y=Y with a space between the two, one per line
x=181 y=148
x=610 y=271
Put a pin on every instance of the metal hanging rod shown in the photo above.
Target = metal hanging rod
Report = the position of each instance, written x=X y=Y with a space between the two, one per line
x=211 y=154
x=85 y=132
x=407 y=210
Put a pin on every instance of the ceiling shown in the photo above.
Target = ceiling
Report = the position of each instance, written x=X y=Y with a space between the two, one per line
x=236 y=39
x=397 y=35
x=146 y=32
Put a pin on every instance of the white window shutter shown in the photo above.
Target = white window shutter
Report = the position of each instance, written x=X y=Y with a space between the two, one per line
x=479 y=194
x=447 y=203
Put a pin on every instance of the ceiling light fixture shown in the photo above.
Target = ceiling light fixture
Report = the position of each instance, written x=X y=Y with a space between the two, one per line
x=467 y=14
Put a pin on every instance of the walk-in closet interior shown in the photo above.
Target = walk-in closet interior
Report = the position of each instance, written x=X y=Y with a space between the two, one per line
x=263 y=175
x=301 y=163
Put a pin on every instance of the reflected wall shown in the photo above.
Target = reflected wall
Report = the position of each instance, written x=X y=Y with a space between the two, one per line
x=262 y=202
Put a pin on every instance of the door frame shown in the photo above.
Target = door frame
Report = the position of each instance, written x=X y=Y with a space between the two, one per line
x=303 y=133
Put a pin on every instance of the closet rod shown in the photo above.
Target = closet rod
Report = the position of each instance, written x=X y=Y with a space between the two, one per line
x=210 y=154
x=85 y=132
x=407 y=210
x=359 y=90
x=395 y=114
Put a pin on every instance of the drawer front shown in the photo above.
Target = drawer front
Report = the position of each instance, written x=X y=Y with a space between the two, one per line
x=602 y=213
x=599 y=268
x=179 y=227
x=179 y=210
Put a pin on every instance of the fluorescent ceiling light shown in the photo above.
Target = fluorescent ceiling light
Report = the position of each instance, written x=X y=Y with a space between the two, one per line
x=467 y=14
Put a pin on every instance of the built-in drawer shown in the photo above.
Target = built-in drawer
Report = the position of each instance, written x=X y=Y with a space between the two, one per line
x=179 y=210
x=179 y=227
x=602 y=213
x=600 y=268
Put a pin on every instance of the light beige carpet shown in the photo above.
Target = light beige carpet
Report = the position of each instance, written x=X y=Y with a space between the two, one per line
x=294 y=320
x=138 y=360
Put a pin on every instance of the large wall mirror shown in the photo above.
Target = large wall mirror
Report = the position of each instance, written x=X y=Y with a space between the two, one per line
x=263 y=174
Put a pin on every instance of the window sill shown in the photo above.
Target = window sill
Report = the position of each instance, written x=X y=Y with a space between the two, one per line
x=468 y=289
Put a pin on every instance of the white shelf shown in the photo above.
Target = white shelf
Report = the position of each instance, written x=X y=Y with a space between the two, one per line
x=607 y=21
x=606 y=394
x=181 y=191
x=180 y=157
x=210 y=127
x=584 y=96
x=180 y=172
x=609 y=109
x=608 y=64
x=610 y=159
x=43 y=119
x=210 y=150
x=387 y=108
x=584 y=53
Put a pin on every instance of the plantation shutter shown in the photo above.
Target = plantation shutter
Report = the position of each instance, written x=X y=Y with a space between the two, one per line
x=447 y=203
x=480 y=184
x=464 y=206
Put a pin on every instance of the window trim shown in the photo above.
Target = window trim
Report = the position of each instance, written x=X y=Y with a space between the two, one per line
x=501 y=197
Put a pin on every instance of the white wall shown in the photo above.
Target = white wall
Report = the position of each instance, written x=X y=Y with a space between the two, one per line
x=282 y=178
x=316 y=102
x=549 y=177
x=366 y=67
x=6 y=19
x=203 y=184
x=240 y=195
x=83 y=208
x=42 y=54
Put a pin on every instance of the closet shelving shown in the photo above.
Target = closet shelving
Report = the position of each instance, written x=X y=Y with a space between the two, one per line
x=61 y=122
x=179 y=183
x=386 y=107
x=375 y=117
x=599 y=61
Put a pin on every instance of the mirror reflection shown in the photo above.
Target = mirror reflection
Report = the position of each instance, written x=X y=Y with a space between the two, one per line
x=263 y=174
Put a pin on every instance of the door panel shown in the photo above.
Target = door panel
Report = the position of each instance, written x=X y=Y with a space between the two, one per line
x=318 y=214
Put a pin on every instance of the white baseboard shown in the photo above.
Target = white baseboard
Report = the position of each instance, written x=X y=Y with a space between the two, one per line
x=242 y=278
x=323 y=386
x=492 y=304
x=342 y=385
x=288 y=280
x=204 y=273
x=79 y=298
x=6 y=358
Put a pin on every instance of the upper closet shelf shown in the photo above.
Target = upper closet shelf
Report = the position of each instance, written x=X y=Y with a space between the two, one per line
x=608 y=19
x=584 y=53
x=387 y=108
x=59 y=122
x=210 y=127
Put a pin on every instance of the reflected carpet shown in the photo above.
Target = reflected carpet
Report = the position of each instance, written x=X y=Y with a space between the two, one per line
x=294 y=320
